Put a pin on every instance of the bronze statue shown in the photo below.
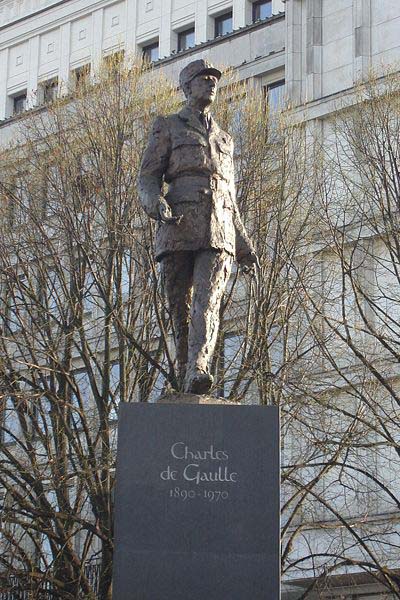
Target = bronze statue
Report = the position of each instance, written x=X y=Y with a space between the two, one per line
x=200 y=231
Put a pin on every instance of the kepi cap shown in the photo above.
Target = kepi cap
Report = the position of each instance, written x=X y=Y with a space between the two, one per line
x=197 y=67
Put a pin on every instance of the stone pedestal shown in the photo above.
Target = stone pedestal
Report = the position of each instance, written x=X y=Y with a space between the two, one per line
x=182 y=398
x=197 y=501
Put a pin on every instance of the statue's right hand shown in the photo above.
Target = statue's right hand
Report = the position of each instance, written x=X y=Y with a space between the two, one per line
x=165 y=213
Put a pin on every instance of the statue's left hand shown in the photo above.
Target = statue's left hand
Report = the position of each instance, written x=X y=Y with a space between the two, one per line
x=165 y=213
x=249 y=263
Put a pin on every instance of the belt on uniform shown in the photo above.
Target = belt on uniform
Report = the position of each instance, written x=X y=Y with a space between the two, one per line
x=213 y=182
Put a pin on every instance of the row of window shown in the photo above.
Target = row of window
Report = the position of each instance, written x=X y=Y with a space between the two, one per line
x=11 y=427
x=15 y=310
x=223 y=24
x=186 y=39
x=48 y=90
x=229 y=365
x=275 y=94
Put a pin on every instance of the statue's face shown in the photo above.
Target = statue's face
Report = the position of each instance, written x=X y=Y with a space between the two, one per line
x=203 y=89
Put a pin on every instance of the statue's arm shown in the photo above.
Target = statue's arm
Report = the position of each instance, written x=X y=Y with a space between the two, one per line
x=153 y=167
x=245 y=253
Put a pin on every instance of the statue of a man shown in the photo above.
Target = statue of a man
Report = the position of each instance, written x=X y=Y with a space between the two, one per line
x=200 y=231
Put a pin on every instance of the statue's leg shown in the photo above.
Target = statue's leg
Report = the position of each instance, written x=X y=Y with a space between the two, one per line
x=210 y=275
x=177 y=273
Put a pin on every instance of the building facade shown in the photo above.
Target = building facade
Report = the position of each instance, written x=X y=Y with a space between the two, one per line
x=43 y=45
x=317 y=51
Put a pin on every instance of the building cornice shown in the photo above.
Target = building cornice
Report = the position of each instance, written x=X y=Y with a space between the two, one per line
x=34 y=13
x=276 y=56
x=42 y=27
x=220 y=40
x=58 y=3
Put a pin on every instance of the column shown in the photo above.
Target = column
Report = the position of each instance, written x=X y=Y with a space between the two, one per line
x=33 y=69
x=362 y=38
x=294 y=67
x=3 y=83
x=203 y=31
x=278 y=6
x=97 y=40
x=131 y=25
x=314 y=49
x=165 y=29
x=241 y=13
x=65 y=51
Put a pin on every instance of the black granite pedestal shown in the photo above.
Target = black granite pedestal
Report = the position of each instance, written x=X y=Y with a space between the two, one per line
x=197 y=503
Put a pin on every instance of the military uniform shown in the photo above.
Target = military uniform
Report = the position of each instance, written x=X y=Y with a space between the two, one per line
x=196 y=159
x=198 y=166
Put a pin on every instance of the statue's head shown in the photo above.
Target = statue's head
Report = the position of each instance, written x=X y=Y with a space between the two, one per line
x=198 y=81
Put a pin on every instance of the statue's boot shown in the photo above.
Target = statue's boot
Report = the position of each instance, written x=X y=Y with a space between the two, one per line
x=198 y=382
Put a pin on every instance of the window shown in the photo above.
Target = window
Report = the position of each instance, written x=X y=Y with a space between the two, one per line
x=114 y=389
x=114 y=61
x=262 y=10
x=54 y=187
x=53 y=289
x=44 y=552
x=49 y=90
x=10 y=421
x=85 y=185
x=232 y=361
x=13 y=312
x=80 y=76
x=151 y=52
x=275 y=94
x=89 y=300
x=159 y=380
x=224 y=24
x=158 y=388
x=42 y=415
x=276 y=349
x=19 y=104
x=45 y=555
x=17 y=306
x=7 y=199
x=21 y=206
x=126 y=274
x=80 y=400
x=186 y=39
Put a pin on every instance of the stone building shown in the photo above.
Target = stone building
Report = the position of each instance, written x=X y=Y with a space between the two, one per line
x=310 y=52
x=43 y=45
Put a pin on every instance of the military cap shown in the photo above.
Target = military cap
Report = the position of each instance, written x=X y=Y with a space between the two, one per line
x=197 y=67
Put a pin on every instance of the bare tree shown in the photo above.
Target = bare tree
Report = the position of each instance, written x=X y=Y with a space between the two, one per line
x=349 y=424
x=82 y=327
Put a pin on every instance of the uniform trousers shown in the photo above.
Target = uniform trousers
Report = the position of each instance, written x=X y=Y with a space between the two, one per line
x=194 y=283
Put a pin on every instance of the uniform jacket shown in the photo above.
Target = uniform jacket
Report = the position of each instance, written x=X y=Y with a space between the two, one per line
x=197 y=163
